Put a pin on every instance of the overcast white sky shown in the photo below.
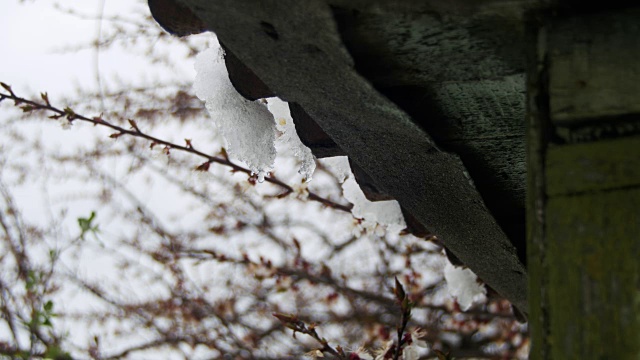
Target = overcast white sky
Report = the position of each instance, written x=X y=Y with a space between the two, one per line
x=35 y=38
x=33 y=35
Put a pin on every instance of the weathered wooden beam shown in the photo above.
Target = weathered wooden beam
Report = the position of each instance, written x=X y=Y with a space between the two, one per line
x=295 y=48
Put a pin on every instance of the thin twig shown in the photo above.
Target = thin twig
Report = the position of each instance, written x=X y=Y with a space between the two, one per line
x=28 y=106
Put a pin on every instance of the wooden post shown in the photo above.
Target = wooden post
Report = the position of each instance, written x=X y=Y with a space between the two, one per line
x=584 y=186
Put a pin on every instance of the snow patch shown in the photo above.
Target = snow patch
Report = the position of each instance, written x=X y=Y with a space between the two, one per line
x=289 y=137
x=247 y=126
x=462 y=284
x=386 y=213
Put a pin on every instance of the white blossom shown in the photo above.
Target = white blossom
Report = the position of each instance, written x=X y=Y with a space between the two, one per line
x=65 y=124
x=380 y=353
x=410 y=352
x=314 y=354
x=363 y=354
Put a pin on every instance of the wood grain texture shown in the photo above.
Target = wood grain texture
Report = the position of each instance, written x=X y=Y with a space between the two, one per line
x=584 y=191
x=586 y=81
x=302 y=59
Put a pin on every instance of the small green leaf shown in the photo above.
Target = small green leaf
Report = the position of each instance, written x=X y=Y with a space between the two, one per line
x=32 y=280
x=86 y=225
x=56 y=353
x=48 y=306
x=47 y=322
x=36 y=320
x=69 y=113
x=45 y=97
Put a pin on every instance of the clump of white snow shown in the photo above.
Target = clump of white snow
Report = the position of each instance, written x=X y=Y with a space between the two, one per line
x=247 y=126
x=339 y=166
x=285 y=125
x=386 y=213
x=462 y=284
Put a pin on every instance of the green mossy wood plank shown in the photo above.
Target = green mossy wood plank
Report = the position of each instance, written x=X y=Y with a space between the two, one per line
x=584 y=197
x=603 y=165
x=586 y=81
x=594 y=274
